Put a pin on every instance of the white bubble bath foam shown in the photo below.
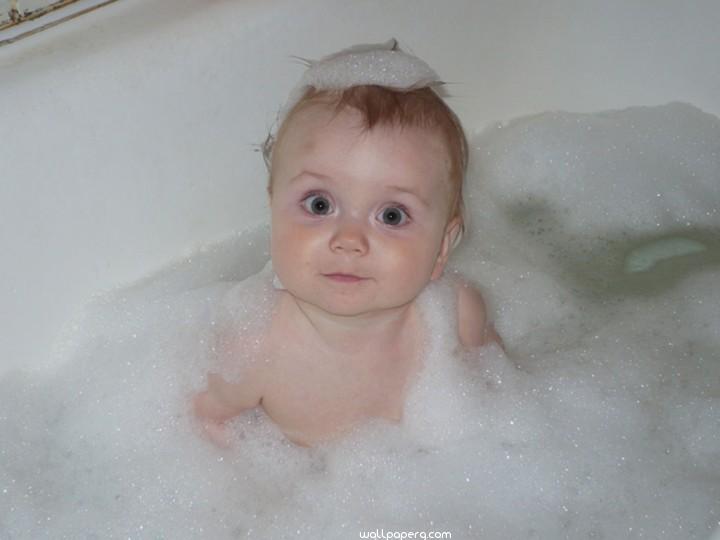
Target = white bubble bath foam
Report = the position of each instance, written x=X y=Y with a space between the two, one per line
x=602 y=421
x=595 y=238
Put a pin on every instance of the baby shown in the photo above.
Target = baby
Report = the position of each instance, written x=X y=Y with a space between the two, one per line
x=366 y=174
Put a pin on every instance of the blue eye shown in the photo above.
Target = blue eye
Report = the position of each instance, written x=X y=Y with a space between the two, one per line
x=394 y=216
x=318 y=205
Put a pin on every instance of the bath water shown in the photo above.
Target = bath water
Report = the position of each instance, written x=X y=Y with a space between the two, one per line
x=595 y=239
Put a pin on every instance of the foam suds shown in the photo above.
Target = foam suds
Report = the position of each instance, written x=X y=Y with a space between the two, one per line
x=602 y=422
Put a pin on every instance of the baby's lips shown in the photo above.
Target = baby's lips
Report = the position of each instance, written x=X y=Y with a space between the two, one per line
x=339 y=276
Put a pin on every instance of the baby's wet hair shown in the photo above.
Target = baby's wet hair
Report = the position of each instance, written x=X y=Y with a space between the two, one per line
x=379 y=105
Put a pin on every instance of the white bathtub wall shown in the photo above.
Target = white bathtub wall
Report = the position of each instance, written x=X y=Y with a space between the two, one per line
x=126 y=136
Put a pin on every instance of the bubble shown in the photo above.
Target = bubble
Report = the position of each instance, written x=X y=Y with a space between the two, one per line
x=601 y=421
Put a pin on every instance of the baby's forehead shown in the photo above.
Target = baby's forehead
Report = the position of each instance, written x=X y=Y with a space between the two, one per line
x=340 y=150
x=318 y=121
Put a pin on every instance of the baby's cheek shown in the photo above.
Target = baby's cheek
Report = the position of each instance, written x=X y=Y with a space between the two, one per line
x=412 y=265
x=293 y=250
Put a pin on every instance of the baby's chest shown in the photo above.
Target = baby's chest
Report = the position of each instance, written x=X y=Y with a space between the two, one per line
x=317 y=393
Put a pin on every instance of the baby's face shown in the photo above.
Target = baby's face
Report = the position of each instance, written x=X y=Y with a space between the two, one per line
x=359 y=218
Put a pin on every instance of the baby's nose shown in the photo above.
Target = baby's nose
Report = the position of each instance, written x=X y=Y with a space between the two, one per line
x=349 y=238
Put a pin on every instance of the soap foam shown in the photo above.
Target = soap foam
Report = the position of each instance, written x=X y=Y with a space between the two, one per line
x=602 y=422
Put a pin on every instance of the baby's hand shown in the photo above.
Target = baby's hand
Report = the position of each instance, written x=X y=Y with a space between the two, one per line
x=217 y=433
x=222 y=401
x=211 y=412
x=213 y=404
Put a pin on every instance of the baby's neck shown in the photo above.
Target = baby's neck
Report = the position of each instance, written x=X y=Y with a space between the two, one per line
x=354 y=334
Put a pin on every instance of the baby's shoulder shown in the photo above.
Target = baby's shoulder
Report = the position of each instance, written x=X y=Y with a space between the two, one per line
x=454 y=289
x=475 y=328
x=470 y=301
x=472 y=316
x=242 y=321
x=468 y=306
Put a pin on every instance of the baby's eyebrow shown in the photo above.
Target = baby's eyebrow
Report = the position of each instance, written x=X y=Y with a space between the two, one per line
x=318 y=176
x=415 y=194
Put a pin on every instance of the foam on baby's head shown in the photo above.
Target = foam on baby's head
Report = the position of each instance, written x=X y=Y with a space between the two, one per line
x=386 y=86
x=376 y=65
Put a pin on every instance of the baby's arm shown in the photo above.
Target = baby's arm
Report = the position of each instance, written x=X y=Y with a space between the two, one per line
x=222 y=401
x=474 y=330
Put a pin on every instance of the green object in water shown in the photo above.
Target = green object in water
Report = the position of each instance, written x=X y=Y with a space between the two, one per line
x=643 y=258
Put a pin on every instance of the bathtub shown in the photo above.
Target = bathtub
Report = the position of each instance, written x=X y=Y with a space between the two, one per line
x=129 y=135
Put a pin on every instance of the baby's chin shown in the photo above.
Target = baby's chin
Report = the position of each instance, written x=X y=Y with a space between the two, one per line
x=352 y=308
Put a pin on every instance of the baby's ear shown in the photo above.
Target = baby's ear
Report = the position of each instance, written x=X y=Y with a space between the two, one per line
x=452 y=233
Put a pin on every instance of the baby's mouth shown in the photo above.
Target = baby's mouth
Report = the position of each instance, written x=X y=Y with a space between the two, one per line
x=344 y=278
